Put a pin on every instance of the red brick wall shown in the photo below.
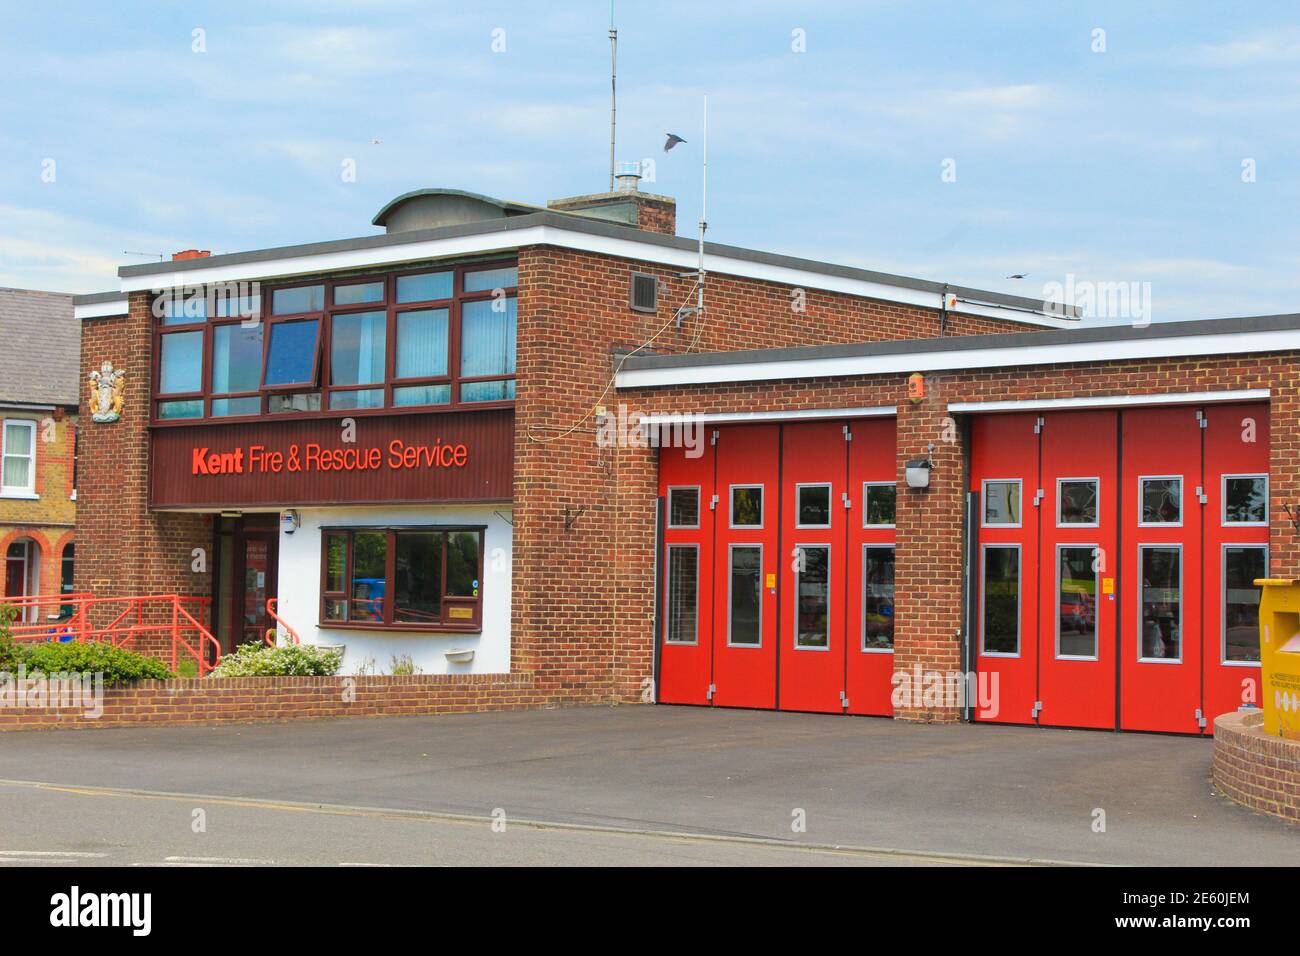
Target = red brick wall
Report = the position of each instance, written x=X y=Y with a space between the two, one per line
x=1255 y=770
x=124 y=548
x=224 y=700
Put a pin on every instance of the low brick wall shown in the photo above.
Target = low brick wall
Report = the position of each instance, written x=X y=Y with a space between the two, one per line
x=1255 y=770
x=221 y=700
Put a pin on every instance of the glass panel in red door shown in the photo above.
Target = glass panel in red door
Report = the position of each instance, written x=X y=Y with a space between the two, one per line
x=869 y=591
x=1079 y=520
x=1160 y=570
x=258 y=578
x=746 y=559
x=1004 y=473
x=814 y=466
x=1236 y=552
x=685 y=579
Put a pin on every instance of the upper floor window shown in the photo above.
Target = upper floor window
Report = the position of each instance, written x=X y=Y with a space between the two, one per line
x=18 y=458
x=432 y=337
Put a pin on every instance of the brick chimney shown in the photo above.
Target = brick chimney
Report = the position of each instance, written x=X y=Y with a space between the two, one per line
x=190 y=254
x=626 y=205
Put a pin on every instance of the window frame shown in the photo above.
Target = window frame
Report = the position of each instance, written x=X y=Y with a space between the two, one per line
x=984 y=502
x=27 y=491
x=1078 y=524
x=866 y=510
x=862 y=642
x=443 y=626
x=1223 y=501
x=1096 y=595
x=1141 y=501
x=1020 y=597
x=1223 y=595
x=321 y=370
x=830 y=505
x=699 y=507
x=1182 y=598
x=731 y=580
x=731 y=507
x=668 y=594
x=795 y=636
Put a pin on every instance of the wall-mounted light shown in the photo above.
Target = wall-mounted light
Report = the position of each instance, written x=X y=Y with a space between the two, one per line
x=918 y=469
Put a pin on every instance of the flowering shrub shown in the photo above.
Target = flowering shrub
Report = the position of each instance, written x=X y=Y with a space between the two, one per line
x=293 y=660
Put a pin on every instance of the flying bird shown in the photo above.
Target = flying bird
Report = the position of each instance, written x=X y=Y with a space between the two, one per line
x=673 y=140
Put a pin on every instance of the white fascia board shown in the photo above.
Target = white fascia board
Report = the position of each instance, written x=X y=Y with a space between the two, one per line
x=1113 y=401
x=794 y=415
x=1228 y=343
x=97 y=309
x=684 y=259
x=337 y=261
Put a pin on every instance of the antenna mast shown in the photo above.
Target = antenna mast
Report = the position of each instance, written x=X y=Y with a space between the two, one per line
x=704 y=207
x=613 y=90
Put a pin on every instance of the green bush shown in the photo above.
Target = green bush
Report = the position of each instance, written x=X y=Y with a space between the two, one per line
x=117 y=664
x=294 y=660
x=10 y=655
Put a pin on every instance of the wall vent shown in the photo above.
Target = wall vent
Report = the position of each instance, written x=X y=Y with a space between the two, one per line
x=644 y=294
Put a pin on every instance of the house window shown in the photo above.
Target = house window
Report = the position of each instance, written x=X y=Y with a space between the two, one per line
x=18 y=471
x=419 y=578
x=386 y=341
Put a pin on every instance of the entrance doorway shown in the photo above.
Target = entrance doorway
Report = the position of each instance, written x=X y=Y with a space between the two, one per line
x=248 y=567
x=22 y=572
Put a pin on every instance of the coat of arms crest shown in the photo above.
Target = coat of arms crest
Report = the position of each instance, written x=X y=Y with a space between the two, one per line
x=107 y=393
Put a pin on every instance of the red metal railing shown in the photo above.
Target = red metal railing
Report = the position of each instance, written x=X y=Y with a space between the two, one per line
x=280 y=623
x=174 y=618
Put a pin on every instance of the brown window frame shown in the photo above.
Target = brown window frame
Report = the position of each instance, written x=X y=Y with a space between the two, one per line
x=444 y=625
x=322 y=372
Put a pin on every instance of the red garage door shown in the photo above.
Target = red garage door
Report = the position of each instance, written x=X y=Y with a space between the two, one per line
x=1116 y=556
x=777 y=579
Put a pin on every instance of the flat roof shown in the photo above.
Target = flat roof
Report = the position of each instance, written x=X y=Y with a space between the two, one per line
x=585 y=226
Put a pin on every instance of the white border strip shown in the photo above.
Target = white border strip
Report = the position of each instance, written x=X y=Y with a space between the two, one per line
x=628 y=248
x=1111 y=401
x=802 y=414
x=1008 y=357
x=96 y=309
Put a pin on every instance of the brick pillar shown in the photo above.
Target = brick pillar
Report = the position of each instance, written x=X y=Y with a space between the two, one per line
x=929 y=560
x=123 y=548
x=1284 y=477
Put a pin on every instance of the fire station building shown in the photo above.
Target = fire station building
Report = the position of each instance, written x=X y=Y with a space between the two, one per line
x=842 y=481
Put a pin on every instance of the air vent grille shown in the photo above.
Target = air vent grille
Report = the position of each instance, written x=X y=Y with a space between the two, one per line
x=644 y=294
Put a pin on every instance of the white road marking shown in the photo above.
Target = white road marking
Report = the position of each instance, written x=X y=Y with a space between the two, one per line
x=218 y=861
x=60 y=854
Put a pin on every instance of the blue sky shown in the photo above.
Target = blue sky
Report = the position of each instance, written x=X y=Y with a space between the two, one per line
x=1124 y=165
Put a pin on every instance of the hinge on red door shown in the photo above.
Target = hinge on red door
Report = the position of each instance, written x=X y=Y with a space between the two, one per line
x=1038 y=497
x=1038 y=425
x=1200 y=718
x=714 y=439
x=713 y=503
x=1038 y=709
x=844 y=700
x=848 y=435
x=1201 y=420
x=1201 y=496
x=845 y=496
x=712 y=689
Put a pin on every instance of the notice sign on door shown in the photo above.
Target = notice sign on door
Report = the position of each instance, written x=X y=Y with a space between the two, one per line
x=311 y=457
x=1107 y=585
x=771 y=580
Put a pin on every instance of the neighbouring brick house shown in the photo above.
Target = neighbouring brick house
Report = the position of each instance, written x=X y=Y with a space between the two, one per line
x=39 y=342
x=401 y=438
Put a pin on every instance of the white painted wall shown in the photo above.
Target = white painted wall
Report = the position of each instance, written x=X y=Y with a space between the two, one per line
x=299 y=591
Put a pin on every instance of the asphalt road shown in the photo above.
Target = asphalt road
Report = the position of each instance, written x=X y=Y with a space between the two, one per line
x=624 y=785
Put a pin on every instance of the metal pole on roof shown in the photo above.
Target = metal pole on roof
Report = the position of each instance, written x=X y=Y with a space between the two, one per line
x=704 y=208
x=613 y=90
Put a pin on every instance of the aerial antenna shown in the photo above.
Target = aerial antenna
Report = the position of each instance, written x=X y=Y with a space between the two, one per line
x=149 y=255
x=613 y=90
x=704 y=210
